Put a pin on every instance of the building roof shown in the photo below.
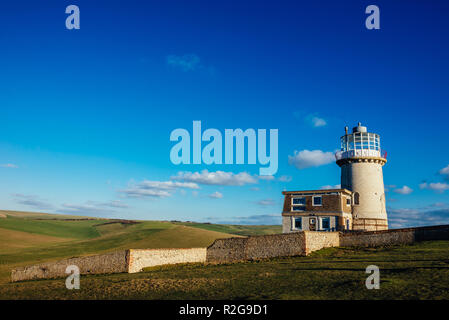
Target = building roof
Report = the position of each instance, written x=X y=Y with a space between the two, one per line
x=321 y=191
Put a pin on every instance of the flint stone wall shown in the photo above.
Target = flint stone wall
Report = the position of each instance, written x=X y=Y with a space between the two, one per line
x=394 y=236
x=139 y=259
x=115 y=262
x=230 y=250
x=269 y=246
x=255 y=247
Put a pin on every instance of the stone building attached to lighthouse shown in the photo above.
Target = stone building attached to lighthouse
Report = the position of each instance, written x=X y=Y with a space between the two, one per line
x=360 y=202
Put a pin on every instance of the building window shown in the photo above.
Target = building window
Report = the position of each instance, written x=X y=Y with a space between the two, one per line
x=356 y=198
x=317 y=201
x=299 y=204
x=348 y=201
x=326 y=223
x=297 y=223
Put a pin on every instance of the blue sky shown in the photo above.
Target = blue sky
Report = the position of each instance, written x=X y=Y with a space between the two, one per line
x=86 y=114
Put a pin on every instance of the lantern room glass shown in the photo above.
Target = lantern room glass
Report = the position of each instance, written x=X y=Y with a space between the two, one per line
x=360 y=141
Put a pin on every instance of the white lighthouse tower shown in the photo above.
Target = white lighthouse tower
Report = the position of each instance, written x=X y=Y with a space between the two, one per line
x=361 y=161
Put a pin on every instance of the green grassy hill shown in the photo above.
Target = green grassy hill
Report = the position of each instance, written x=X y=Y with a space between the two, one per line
x=28 y=238
x=419 y=271
x=242 y=230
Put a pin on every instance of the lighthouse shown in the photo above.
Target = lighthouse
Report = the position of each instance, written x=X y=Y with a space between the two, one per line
x=361 y=161
x=359 y=204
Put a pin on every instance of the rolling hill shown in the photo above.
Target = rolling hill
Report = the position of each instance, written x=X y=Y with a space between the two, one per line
x=29 y=237
x=418 y=271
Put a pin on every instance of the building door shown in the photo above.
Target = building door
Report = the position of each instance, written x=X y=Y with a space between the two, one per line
x=312 y=224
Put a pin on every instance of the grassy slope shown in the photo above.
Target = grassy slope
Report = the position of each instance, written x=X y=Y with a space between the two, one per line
x=40 y=215
x=55 y=228
x=11 y=240
x=29 y=240
x=419 y=271
x=242 y=230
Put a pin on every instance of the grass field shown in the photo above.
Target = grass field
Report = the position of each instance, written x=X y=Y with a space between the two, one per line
x=419 y=271
x=28 y=238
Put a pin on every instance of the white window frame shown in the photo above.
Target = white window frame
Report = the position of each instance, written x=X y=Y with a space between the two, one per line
x=350 y=201
x=303 y=206
x=313 y=201
x=321 y=223
x=353 y=199
x=294 y=221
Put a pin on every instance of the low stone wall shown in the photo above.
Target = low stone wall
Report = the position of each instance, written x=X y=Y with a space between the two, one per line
x=139 y=259
x=105 y=263
x=224 y=250
x=394 y=236
x=305 y=242
x=377 y=238
x=131 y=261
x=230 y=250
x=432 y=233
x=316 y=240
x=276 y=245
x=270 y=246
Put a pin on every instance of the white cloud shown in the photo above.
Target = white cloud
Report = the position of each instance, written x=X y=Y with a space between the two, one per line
x=216 y=195
x=187 y=62
x=267 y=178
x=93 y=208
x=318 y=122
x=310 y=158
x=312 y=119
x=265 y=219
x=255 y=188
x=115 y=204
x=435 y=186
x=90 y=208
x=403 y=190
x=427 y=216
x=445 y=172
x=266 y=202
x=328 y=187
x=216 y=178
x=31 y=201
x=285 y=178
x=9 y=165
x=157 y=189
